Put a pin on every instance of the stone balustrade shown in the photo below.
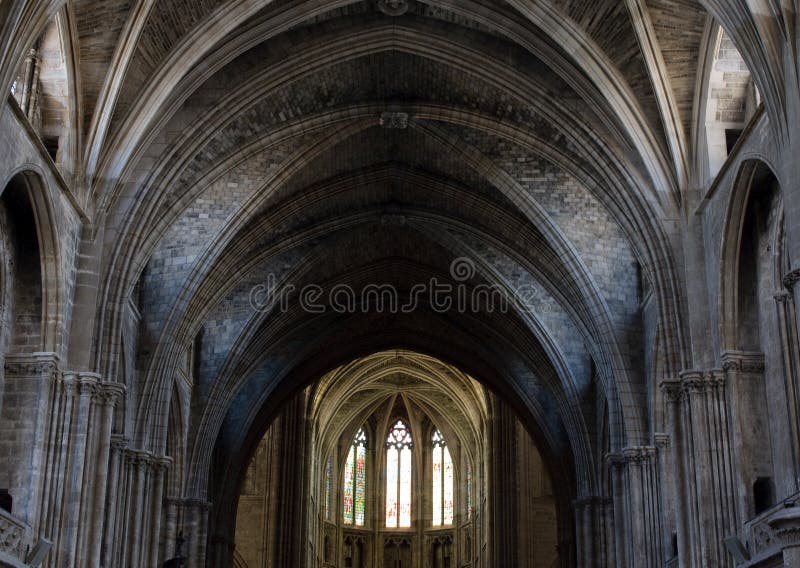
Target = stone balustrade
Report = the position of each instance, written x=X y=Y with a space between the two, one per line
x=14 y=540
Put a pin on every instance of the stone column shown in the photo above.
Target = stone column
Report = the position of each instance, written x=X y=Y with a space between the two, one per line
x=135 y=513
x=503 y=524
x=590 y=538
x=616 y=465
x=116 y=476
x=790 y=281
x=136 y=524
x=171 y=529
x=666 y=484
x=707 y=458
x=31 y=61
x=642 y=485
x=195 y=527
x=65 y=393
x=790 y=347
x=744 y=373
x=103 y=467
x=608 y=523
x=160 y=466
x=673 y=394
x=580 y=544
x=67 y=539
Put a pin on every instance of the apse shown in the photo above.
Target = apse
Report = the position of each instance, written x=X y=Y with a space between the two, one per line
x=406 y=458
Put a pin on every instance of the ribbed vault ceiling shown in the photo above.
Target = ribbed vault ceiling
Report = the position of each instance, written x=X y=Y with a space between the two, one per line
x=249 y=144
x=229 y=145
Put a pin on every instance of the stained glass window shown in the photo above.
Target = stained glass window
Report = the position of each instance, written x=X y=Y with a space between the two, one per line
x=398 y=476
x=329 y=489
x=442 y=477
x=355 y=481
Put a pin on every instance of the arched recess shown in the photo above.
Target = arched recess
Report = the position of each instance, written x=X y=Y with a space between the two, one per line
x=31 y=282
x=45 y=89
x=726 y=101
x=31 y=317
x=759 y=340
x=225 y=483
x=755 y=187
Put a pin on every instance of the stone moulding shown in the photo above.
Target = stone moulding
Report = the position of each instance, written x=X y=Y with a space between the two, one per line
x=31 y=365
x=743 y=361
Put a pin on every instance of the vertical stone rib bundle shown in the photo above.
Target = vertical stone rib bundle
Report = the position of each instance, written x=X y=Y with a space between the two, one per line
x=593 y=532
x=790 y=348
x=616 y=465
x=76 y=465
x=749 y=426
x=133 y=507
x=643 y=489
x=503 y=486
x=700 y=428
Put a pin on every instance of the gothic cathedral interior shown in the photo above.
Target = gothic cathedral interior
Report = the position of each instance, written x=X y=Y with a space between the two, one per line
x=400 y=283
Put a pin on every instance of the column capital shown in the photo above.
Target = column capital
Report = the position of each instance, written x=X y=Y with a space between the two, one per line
x=638 y=454
x=162 y=463
x=110 y=392
x=743 y=361
x=661 y=441
x=87 y=383
x=119 y=443
x=672 y=389
x=791 y=279
x=138 y=457
x=82 y=383
x=782 y=296
x=615 y=460
x=695 y=381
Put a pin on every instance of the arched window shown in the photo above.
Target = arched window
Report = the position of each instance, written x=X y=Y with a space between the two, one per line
x=398 y=476
x=329 y=489
x=442 y=482
x=355 y=481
